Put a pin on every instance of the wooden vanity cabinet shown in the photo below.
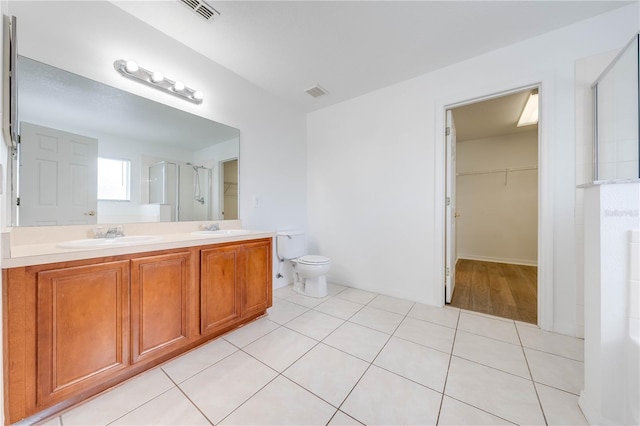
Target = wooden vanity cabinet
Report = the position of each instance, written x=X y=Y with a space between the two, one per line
x=255 y=277
x=74 y=329
x=161 y=294
x=235 y=283
x=82 y=329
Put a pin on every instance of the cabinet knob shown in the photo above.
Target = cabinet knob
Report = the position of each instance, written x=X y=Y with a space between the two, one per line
x=90 y=213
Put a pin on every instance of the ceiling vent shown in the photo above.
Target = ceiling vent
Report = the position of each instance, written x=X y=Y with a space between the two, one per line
x=316 y=91
x=201 y=8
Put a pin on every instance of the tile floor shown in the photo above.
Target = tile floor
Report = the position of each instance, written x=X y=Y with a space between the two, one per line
x=357 y=357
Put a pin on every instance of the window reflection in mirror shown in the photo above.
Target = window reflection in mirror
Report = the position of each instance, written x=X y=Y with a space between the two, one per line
x=69 y=110
x=114 y=179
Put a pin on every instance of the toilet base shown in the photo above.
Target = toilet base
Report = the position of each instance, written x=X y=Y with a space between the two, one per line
x=312 y=287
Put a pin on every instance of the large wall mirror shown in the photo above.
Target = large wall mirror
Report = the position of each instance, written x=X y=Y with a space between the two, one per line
x=90 y=153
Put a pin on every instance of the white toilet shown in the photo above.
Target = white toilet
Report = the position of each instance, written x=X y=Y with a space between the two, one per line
x=309 y=271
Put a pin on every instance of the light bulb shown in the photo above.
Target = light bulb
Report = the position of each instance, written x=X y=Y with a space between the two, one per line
x=157 y=77
x=131 y=67
x=178 y=86
x=198 y=95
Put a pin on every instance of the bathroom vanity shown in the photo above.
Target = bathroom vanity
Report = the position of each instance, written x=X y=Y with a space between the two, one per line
x=77 y=322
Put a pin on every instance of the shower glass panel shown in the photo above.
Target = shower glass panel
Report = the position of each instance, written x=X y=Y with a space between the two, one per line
x=185 y=188
x=164 y=183
x=617 y=122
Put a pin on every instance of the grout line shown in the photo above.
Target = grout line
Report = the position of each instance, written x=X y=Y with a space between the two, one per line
x=187 y=396
x=533 y=383
x=446 y=377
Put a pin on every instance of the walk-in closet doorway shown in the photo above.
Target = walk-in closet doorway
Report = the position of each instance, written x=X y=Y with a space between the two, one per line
x=492 y=212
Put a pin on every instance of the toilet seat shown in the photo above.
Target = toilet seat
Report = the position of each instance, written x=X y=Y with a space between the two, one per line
x=312 y=259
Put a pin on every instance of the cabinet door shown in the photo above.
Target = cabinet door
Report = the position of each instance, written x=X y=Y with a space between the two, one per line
x=159 y=303
x=82 y=328
x=219 y=288
x=256 y=277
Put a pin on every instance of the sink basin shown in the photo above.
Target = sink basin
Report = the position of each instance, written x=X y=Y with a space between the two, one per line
x=98 y=243
x=222 y=232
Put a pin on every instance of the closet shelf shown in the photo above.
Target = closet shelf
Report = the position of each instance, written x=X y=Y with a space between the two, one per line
x=505 y=170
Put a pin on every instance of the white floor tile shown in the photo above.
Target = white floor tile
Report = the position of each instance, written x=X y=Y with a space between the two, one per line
x=315 y=324
x=306 y=301
x=282 y=402
x=485 y=381
x=57 y=421
x=482 y=314
x=114 y=404
x=357 y=296
x=493 y=353
x=283 y=311
x=391 y=304
x=280 y=348
x=556 y=371
x=489 y=327
x=333 y=289
x=341 y=419
x=525 y=324
x=284 y=292
x=442 y=316
x=426 y=333
x=220 y=389
x=560 y=408
x=250 y=332
x=339 y=308
x=180 y=369
x=380 y=320
x=357 y=340
x=415 y=362
x=170 y=408
x=502 y=394
x=557 y=344
x=328 y=373
x=456 y=413
x=384 y=398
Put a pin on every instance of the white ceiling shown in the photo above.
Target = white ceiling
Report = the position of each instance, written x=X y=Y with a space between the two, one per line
x=353 y=47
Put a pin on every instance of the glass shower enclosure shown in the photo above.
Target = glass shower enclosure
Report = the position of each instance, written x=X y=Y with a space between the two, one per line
x=617 y=120
x=184 y=190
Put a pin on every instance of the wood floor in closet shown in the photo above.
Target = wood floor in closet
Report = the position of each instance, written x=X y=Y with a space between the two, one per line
x=500 y=289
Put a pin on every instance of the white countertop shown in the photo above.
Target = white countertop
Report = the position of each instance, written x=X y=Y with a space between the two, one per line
x=35 y=247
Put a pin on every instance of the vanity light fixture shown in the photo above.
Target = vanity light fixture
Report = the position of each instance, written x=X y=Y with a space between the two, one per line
x=529 y=114
x=156 y=79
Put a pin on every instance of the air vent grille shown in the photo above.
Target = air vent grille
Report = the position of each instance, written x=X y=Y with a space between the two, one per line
x=316 y=91
x=201 y=8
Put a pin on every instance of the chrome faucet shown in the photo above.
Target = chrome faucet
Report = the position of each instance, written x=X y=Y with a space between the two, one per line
x=113 y=232
x=211 y=227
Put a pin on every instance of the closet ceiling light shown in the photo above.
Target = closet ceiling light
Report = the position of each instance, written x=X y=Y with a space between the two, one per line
x=156 y=79
x=529 y=114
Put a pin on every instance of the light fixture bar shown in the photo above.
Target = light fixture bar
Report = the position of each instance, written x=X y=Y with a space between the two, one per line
x=529 y=114
x=156 y=79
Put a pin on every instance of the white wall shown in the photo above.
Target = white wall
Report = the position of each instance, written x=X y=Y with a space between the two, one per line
x=587 y=71
x=375 y=167
x=87 y=37
x=498 y=212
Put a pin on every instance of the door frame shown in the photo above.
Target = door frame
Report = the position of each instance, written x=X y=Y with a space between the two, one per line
x=545 y=184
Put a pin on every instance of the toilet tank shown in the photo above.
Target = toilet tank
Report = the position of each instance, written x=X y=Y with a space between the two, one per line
x=290 y=244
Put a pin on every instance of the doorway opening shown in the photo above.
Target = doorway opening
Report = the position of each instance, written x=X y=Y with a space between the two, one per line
x=491 y=230
x=229 y=190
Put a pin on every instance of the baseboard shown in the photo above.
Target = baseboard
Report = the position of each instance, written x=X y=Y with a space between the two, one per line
x=499 y=260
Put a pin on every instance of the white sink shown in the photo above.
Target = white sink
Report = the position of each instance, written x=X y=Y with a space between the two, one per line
x=98 y=243
x=222 y=232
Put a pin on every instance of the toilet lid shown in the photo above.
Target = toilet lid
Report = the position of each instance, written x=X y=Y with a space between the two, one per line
x=313 y=259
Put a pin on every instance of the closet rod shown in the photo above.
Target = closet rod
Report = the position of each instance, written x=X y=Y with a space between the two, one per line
x=506 y=170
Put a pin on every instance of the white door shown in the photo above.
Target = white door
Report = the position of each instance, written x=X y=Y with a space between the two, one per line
x=450 y=214
x=58 y=177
